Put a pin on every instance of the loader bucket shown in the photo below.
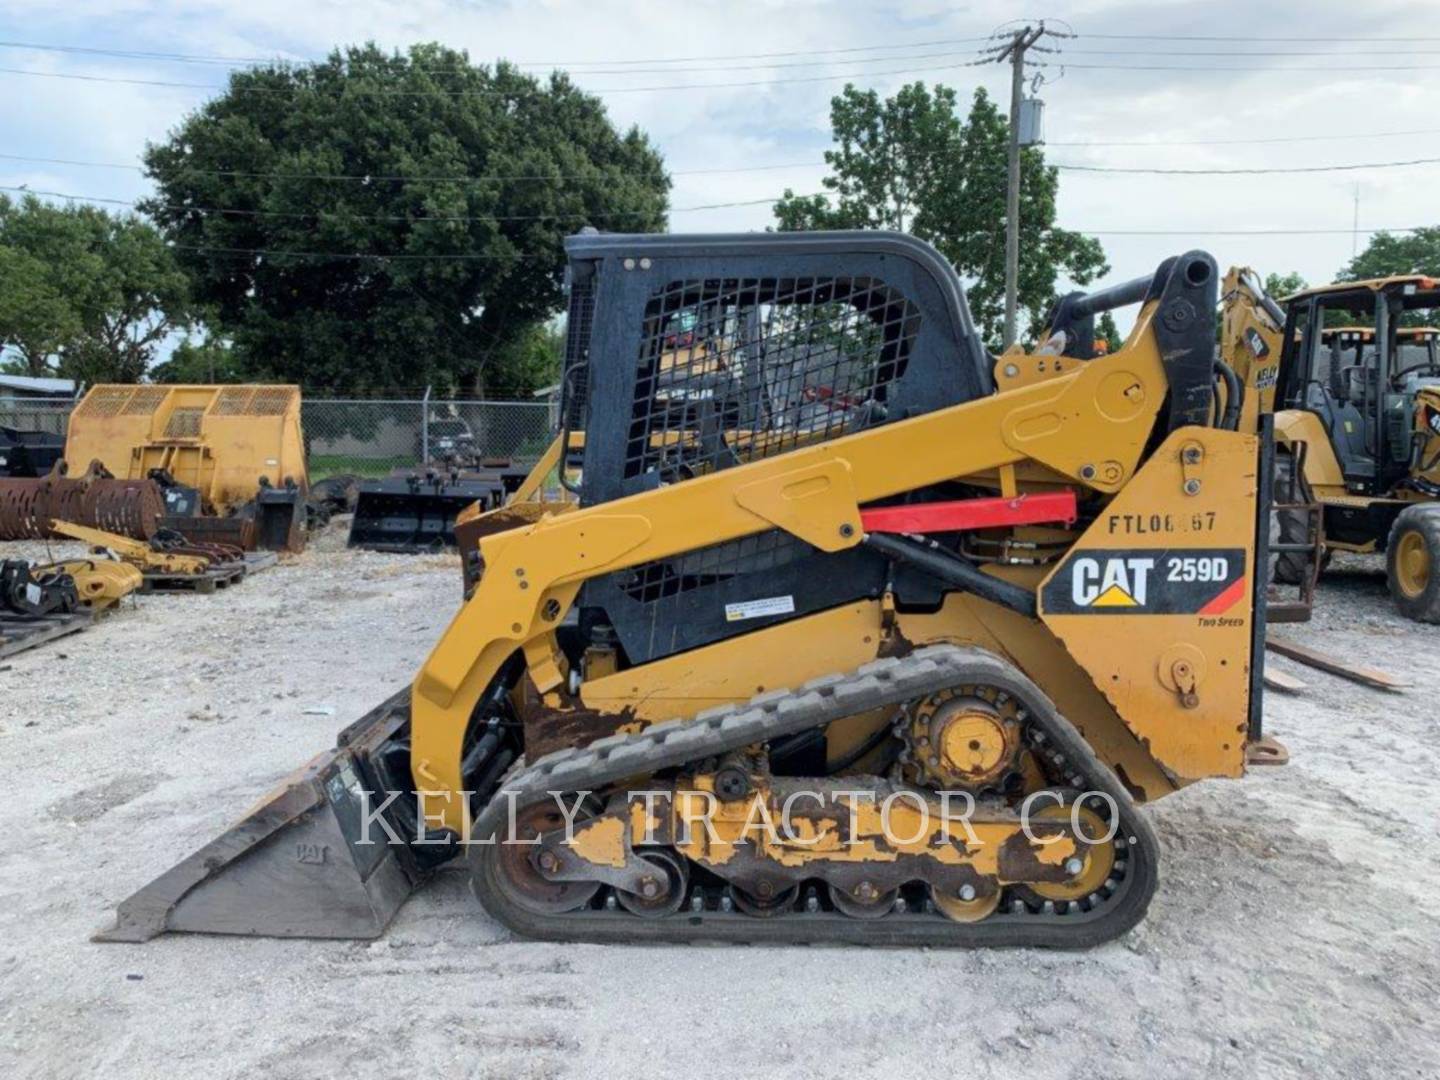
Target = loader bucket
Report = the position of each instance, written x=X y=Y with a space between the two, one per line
x=296 y=865
x=416 y=514
x=233 y=531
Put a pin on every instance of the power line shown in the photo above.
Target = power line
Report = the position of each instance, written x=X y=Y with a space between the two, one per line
x=1254 y=142
x=1288 y=38
x=1210 y=67
x=176 y=57
x=1062 y=166
x=627 y=70
x=438 y=92
x=1239 y=232
x=1247 y=171
x=376 y=177
x=416 y=219
x=352 y=255
x=1246 y=55
x=744 y=84
x=366 y=178
x=626 y=67
x=521 y=256
x=1200 y=230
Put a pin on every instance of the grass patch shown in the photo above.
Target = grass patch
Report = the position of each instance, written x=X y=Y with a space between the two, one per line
x=323 y=465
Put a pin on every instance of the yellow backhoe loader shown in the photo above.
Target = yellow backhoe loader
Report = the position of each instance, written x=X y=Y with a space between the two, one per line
x=1358 y=429
x=897 y=666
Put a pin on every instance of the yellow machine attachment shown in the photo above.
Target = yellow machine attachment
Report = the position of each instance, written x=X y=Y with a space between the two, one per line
x=542 y=493
x=1250 y=326
x=1251 y=344
x=1427 y=435
x=101 y=582
x=144 y=556
x=230 y=452
x=898 y=667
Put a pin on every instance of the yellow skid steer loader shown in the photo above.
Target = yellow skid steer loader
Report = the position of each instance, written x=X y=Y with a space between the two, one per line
x=858 y=635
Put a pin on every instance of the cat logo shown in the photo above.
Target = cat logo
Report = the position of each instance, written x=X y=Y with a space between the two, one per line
x=1149 y=581
x=1110 y=583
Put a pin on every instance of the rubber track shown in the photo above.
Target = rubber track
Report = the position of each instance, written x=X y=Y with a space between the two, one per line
x=779 y=713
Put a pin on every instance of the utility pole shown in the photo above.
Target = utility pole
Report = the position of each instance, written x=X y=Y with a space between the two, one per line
x=1022 y=39
x=1355 y=224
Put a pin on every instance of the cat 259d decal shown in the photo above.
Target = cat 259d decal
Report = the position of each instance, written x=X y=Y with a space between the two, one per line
x=1157 y=581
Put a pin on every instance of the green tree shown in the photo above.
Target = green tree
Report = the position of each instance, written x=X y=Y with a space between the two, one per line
x=1389 y=254
x=909 y=163
x=1108 y=332
x=37 y=319
x=1279 y=286
x=208 y=360
x=141 y=297
x=450 y=251
x=85 y=293
x=528 y=363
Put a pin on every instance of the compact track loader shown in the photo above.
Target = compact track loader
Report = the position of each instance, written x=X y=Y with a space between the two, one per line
x=860 y=636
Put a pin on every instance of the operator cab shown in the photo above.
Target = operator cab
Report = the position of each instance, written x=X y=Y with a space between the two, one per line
x=1355 y=355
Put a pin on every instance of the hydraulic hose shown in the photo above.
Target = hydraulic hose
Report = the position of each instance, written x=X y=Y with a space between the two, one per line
x=1234 y=395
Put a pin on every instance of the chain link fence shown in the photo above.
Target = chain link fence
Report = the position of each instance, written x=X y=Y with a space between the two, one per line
x=370 y=437
x=25 y=414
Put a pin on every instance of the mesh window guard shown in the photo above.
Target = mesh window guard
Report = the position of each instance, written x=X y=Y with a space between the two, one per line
x=733 y=370
x=575 y=376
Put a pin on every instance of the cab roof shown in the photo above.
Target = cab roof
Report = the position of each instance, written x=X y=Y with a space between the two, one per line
x=1421 y=282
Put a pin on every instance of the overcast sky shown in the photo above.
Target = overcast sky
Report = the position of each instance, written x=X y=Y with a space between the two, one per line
x=1232 y=89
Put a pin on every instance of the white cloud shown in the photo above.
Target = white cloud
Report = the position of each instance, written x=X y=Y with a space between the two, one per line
x=783 y=122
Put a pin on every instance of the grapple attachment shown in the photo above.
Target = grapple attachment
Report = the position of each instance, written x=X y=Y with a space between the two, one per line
x=298 y=864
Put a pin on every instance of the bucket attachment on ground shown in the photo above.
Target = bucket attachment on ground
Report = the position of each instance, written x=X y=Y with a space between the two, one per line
x=417 y=513
x=236 y=531
x=29 y=453
x=230 y=460
x=297 y=865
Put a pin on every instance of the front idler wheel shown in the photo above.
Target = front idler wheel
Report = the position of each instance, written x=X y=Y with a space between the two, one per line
x=520 y=872
x=1092 y=864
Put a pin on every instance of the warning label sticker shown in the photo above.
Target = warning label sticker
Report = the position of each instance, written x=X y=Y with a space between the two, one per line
x=1173 y=581
x=755 y=609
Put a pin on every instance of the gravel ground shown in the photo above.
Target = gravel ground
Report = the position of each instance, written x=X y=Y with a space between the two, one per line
x=1294 y=934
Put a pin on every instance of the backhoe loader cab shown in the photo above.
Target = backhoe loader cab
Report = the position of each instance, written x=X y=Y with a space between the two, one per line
x=1360 y=390
x=854 y=635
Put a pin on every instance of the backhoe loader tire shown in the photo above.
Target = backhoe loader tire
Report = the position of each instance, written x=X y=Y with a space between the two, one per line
x=1412 y=563
x=1287 y=526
